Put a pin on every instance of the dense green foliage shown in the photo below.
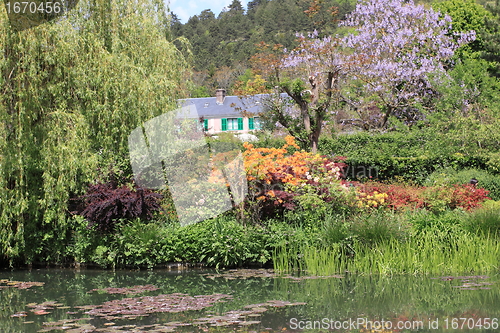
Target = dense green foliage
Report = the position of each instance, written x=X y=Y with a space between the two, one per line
x=491 y=38
x=485 y=179
x=219 y=242
x=416 y=243
x=379 y=241
x=410 y=155
x=466 y=15
x=72 y=91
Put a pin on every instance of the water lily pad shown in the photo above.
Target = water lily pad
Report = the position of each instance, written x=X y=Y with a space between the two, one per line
x=20 y=284
x=41 y=312
x=468 y=282
x=127 y=290
x=250 y=322
x=258 y=310
x=243 y=274
x=143 y=306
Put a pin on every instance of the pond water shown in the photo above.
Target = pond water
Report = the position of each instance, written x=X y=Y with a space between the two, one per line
x=65 y=300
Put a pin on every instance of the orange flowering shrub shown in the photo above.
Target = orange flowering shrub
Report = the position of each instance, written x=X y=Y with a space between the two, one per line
x=229 y=161
x=276 y=176
x=272 y=164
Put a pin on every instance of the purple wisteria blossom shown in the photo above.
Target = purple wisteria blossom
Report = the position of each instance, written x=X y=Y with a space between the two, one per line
x=319 y=55
x=403 y=44
x=385 y=66
x=311 y=76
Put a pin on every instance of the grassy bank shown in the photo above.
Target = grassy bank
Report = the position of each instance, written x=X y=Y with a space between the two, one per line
x=417 y=242
x=378 y=242
x=422 y=254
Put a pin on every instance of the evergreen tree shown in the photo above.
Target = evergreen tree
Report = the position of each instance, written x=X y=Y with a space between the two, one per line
x=491 y=39
x=236 y=6
x=230 y=39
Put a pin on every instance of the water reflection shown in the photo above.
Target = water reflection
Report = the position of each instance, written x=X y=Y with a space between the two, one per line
x=65 y=293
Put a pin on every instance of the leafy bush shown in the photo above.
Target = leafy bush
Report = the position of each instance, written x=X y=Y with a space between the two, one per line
x=449 y=176
x=271 y=141
x=398 y=196
x=139 y=244
x=371 y=200
x=104 y=204
x=437 y=198
x=219 y=242
x=485 y=221
x=225 y=142
x=493 y=162
x=84 y=240
x=377 y=226
x=465 y=196
x=424 y=220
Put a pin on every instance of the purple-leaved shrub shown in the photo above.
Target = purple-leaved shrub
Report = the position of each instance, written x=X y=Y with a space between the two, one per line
x=104 y=204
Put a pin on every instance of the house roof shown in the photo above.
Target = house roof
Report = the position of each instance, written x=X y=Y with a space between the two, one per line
x=207 y=107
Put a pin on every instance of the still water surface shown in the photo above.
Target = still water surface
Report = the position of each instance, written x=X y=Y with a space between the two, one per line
x=243 y=300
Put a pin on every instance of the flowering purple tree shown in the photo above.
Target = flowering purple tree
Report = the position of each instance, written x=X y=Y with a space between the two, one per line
x=307 y=81
x=404 y=45
x=385 y=66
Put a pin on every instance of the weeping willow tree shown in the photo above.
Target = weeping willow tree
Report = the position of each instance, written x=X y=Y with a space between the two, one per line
x=71 y=92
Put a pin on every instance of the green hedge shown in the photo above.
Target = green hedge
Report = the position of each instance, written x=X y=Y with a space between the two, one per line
x=411 y=155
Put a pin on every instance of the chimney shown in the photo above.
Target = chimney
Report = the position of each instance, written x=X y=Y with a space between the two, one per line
x=220 y=94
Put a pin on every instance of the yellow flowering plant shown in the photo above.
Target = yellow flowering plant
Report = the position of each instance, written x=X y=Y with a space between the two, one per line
x=374 y=200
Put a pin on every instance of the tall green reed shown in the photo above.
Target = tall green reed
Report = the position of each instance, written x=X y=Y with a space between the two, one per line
x=425 y=253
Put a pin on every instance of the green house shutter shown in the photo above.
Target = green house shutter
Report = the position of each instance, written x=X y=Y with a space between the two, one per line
x=250 y=124
x=205 y=124
x=224 y=124
x=240 y=124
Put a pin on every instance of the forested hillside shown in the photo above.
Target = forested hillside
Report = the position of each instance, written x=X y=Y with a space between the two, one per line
x=223 y=44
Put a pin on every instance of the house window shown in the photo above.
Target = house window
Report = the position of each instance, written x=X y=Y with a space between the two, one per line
x=232 y=124
x=254 y=123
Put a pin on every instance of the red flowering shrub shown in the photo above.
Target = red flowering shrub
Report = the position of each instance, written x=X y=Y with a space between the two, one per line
x=279 y=180
x=466 y=196
x=434 y=198
x=398 y=196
